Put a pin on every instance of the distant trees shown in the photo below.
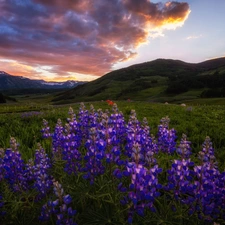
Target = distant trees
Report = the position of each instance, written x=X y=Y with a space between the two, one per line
x=213 y=93
x=213 y=83
x=176 y=88
x=2 y=98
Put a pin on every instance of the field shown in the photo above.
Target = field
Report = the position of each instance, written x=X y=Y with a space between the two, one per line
x=97 y=195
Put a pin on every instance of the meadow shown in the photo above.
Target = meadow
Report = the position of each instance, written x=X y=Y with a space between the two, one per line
x=106 y=167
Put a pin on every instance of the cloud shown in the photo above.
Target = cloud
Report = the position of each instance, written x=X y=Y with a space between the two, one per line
x=193 y=37
x=15 y=68
x=82 y=36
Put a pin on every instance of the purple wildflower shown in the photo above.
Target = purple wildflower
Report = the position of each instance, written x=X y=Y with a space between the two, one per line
x=46 y=129
x=180 y=176
x=14 y=168
x=208 y=185
x=94 y=156
x=60 y=208
x=166 y=137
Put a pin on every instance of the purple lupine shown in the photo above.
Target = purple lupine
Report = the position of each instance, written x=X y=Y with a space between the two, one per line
x=71 y=144
x=14 y=168
x=180 y=176
x=46 y=129
x=207 y=150
x=37 y=172
x=208 y=188
x=83 y=122
x=92 y=117
x=73 y=127
x=134 y=133
x=117 y=121
x=180 y=180
x=108 y=132
x=149 y=159
x=220 y=198
x=143 y=190
x=144 y=187
x=57 y=140
x=94 y=156
x=42 y=165
x=166 y=137
x=138 y=133
x=148 y=143
x=60 y=208
x=184 y=149
x=30 y=171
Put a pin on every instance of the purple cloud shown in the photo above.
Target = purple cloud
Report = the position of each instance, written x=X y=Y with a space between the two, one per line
x=82 y=36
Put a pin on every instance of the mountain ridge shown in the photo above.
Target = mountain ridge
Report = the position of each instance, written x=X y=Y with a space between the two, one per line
x=155 y=80
x=9 y=82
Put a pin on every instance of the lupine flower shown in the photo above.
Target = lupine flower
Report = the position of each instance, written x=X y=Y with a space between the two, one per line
x=112 y=129
x=71 y=154
x=46 y=129
x=208 y=186
x=149 y=159
x=83 y=121
x=144 y=187
x=149 y=144
x=207 y=150
x=108 y=132
x=134 y=133
x=143 y=190
x=166 y=137
x=92 y=117
x=94 y=156
x=184 y=149
x=14 y=167
x=38 y=172
x=57 y=140
x=60 y=208
x=180 y=176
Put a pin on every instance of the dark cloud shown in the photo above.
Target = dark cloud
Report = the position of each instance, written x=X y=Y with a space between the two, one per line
x=83 y=36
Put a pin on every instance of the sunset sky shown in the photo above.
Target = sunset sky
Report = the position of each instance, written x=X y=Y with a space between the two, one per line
x=84 y=39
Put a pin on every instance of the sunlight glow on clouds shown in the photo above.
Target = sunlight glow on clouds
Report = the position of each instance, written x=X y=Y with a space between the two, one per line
x=57 y=38
x=15 y=68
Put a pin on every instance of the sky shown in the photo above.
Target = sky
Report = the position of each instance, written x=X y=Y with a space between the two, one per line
x=58 y=40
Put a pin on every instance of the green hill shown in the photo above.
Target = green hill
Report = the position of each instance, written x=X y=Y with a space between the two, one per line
x=159 y=80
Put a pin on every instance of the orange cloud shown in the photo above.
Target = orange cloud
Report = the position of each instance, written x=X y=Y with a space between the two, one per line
x=15 y=68
x=82 y=36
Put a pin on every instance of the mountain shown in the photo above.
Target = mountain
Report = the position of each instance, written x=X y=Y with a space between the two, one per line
x=158 y=80
x=9 y=82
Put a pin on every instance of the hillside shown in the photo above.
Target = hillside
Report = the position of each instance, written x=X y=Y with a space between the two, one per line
x=159 y=80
